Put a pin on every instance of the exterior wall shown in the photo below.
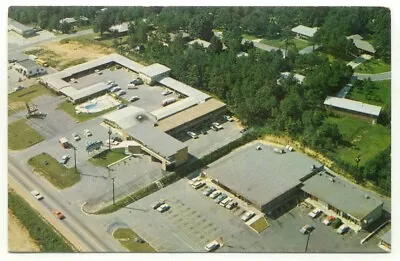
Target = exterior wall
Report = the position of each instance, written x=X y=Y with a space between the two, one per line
x=81 y=100
x=145 y=78
x=364 y=117
x=269 y=208
x=181 y=156
x=151 y=80
x=371 y=217
x=38 y=70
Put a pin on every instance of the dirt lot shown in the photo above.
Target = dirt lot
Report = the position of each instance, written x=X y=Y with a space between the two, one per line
x=64 y=55
x=18 y=237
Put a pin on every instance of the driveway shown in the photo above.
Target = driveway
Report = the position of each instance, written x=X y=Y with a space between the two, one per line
x=374 y=77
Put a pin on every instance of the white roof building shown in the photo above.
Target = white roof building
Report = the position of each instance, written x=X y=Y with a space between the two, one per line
x=120 y=28
x=354 y=106
x=305 y=30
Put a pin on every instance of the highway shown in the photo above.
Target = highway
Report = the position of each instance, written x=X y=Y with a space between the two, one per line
x=81 y=230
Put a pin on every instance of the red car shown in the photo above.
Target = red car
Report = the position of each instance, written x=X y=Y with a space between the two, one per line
x=327 y=221
x=58 y=214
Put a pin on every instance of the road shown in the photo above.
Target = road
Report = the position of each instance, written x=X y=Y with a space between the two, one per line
x=81 y=230
x=374 y=77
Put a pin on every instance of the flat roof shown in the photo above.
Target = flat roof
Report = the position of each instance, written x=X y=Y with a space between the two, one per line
x=387 y=237
x=351 y=105
x=18 y=25
x=261 y=175
x=90 y=90
x=120 y=28
x=154 y=69
x=156 y=140
x=201 y=42
x=190 y=114
x=364 y=45
x=305 y=30
x=68 y=91
x=175 y=107
x=183 y=88
x=28 y=64
x=68 y=20
x=18 y=56
x=130 y=116
x=342 y=195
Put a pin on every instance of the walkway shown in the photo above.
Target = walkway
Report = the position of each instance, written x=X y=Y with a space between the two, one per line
x=359 y=60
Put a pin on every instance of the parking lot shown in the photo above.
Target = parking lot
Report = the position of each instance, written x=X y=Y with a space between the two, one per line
x=194 y=220
x=150 y=97
x=15 y=39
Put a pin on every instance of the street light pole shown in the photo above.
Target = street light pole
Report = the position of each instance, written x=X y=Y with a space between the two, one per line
x=113 y=191
x=75 y=157
x=308 y=239
x=109 y=139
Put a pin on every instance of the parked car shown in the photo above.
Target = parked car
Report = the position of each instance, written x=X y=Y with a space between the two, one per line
x=98 y=71
x=198 y=184
x=208 y=191
x=327 y=221
x=114 y=87
x=342 y=229
x=244 y=130
x=225 y=201
x=157 y=204
x=88 y=133
x=220 y=198
x=192 y=134
x=231 y=205
x=166 y=92
x=217 y=125
x=315 y=213
x=227 y=118
x=20 y=87
x=64 y=159
x=306 y=229
x=134 y=98
x=76 y=136
x=214 y=245
x=121 y=106
x=137 y=81
x=58 y=214
x=37 y=195
x=163 y=208
x=121 y=92
x=203 y=131
x=248 y=215
x=215 y=194
x=109 y=82
x=132 y=86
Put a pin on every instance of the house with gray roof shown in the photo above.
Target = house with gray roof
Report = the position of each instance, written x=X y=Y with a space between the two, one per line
x=344 y=198
x=304 y=31
x=361 y=44
x=120 y=28
x=29 y=68
x=353 y=108
x=263 y=175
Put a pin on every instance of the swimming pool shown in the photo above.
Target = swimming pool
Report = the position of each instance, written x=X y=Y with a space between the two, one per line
x=98 y=104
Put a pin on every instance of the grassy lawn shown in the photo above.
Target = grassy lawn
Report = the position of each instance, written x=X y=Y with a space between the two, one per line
x=56 y=173
x=16 y=100
x=41 y=231
x=380 y=94
x=107 y=157
x=300 y=44
x=69 y=108
x=366 y=140
x=22 y=136
x=127 y=238
x=260 y=225
x=249 y=37
x=373 y=66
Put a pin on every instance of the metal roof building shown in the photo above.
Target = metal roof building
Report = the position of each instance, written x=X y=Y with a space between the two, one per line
x=19 y=28
x=361 y=44
x=130 y=116
x=305 y=30
x=262 y=175
x=341 y=195
x=183 y=88
x=354 y=106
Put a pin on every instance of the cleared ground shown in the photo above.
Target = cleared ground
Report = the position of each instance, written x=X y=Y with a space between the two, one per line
x=362 y=139
x=19 y=239
x=21 y=135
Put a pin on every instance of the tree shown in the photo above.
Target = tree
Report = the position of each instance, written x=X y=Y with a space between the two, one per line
x=215 y=45
x=102 y=22
x=201 y=27
x=65 y=28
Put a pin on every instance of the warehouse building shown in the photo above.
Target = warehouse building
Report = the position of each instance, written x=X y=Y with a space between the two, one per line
x=344 y=198
x=262 y=175
x=29 y=68
x=19 y=28
x=153 y=73
x=304 y=31
x=356 y=109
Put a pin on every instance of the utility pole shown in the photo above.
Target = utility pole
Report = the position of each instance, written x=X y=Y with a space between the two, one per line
x=113 y=178
x=308 y=239
x=109 y=138
x=358 y=159
x=74 y=157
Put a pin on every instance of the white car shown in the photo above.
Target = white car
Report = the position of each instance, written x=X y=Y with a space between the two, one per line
x=132 y=86
x=20 y=87
x=121 y=92
x=248 y=215
x=342 y=229
x=115 y=89
x=163 y=208
x=76 y=136
x=231 y=205
x=212 y=246
x=134 y=98
x=88 y=133
x=228 y=118
x=225 y=202
x=37 y=195
x=215 y=194
x=98 y=71
x=192 y=134
x=166 y=92
x=216 y=126
x=198 y=184
x=315 y=213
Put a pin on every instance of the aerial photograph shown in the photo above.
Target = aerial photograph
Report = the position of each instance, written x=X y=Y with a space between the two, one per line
x=196 y=129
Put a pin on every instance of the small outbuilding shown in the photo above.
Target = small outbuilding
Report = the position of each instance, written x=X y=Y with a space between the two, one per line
x=29 y=68
x=19 y=28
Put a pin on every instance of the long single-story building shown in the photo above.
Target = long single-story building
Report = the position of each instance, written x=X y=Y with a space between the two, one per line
x=304 y=31
x=353 y=108
x=29 y=68
x=361 y=44
x=344 y=198
x=87 y=93
x=263 y=175
x=19 y=28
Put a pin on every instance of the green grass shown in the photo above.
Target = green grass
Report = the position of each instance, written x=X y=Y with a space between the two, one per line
x=39 y=230
x=22 y=136
x=107 y=157
x=366 y=140
x=88 y=39
x=69 y=108
x=127 y=238
x=249 y=37
x=380 y=95
x=260 y=224
x=300 y=44
x=56 y=173
x=16 y=100
x=373 y=66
